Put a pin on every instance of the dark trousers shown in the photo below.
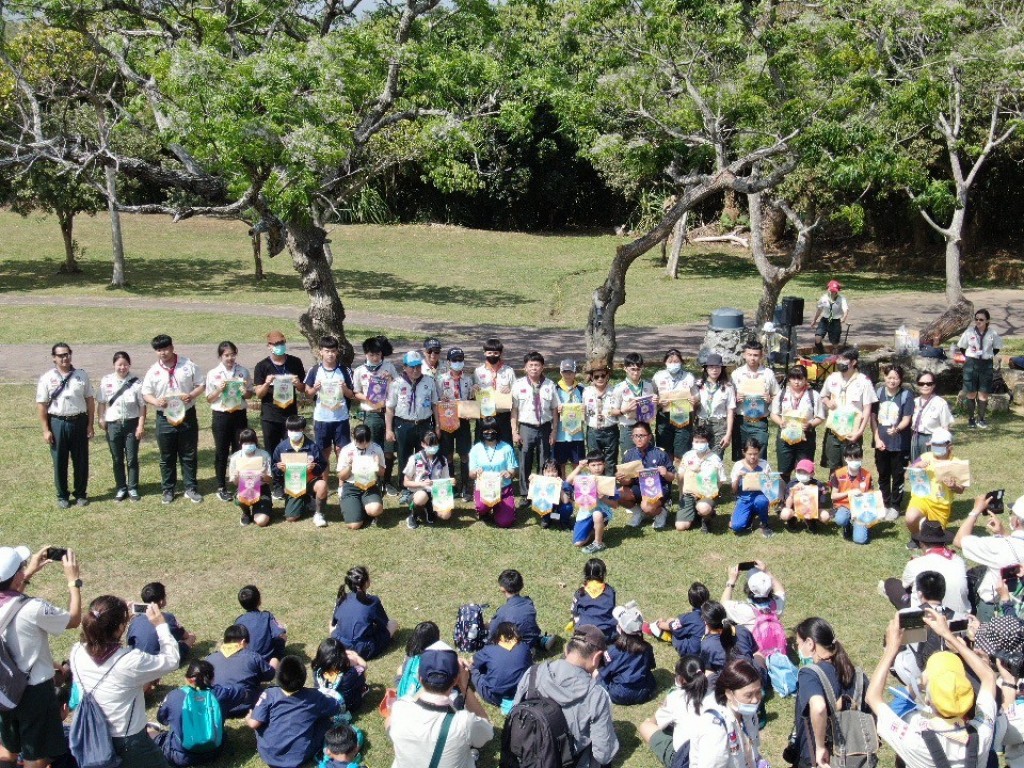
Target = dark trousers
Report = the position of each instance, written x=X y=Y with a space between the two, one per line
x=225 y=427
x=70 y=442
x=891 y=465
x=748 y=428
x=273 y=433
x=535 y=450
x=408 y=436
x=788 y=455
x=180 y=443
x=458 y=442
x=124 y=450
x=833 y=448
x=605 y=440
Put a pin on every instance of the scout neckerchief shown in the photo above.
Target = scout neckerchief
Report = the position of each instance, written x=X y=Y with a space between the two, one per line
x=921 y=410
x=412 y=395
x=429 y=465
x=711 y=387
x=832 y=307
x=843 y=388
x=456 y=384
x=172 y=382
x=536 y=398
x=573 y=391
x=638 y=390
x=981 y=341
x=601 y=394
x=60 y=387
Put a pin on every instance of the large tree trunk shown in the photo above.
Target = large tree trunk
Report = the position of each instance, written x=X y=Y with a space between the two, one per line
x=771 y=289
x=66 y=219
x=326 y=315
x=773 y=278
x=954 y=237
x=678 y=240
x=257 y=254
x=117 y=278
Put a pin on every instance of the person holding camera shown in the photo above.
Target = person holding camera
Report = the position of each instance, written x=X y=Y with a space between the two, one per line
x=33 y=729
x=997 y=551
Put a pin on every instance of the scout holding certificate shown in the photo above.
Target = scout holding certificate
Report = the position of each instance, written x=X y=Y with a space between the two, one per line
x=250 y=469
x=804 y=497
x=797 y=410
x=702 y=472
x=846 y=483
x=747 y=477
x=945 y=476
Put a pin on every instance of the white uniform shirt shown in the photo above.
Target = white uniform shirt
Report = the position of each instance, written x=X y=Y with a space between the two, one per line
x=807 y=406
x=857 y=393
x=764 y=375
x=219 y=375
x=182 y=378
x=361 y=378
x=322 y=413
x=27 y=637
x=534 y=405
x=833 y=310
x=451 y=388
x=421 y=467
x=906 y=741
x=625 y=394
x=129 y=403
x=238 y=456
x=413 y=402
x=735 y=745
x=72 y=399
x=995 y=552
x=953 y=570
x=500 y=380
x=598 y=407
x=665 y=382
x=930 y=415
x=415 y=730
x=678 y=710
x=352 y=450
x=716 y=400
x=978 y=347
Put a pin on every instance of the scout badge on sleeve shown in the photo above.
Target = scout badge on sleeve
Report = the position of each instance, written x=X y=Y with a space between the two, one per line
x=487 y=405
x=377 y=389
x=842 y=421
x=571 y=419
x=330 y=394
x=645 y=409
x=752 y=481
x=920 y=484
x=867 y=508
x=755 y=404
x=544 y=493
x=364 y=472
x=488 y=485
x=468 y=409
x=650 y=484
x=233 y=396
x=174 y=411
x=771 y=486
x=448 y=416
x=284 y=391
x=442 y=494
x=805 y=501
x=584 y=490
x=296 y=468
x=888 y=413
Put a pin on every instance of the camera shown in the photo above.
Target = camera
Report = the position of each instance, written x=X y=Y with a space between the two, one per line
x=140 y=608
x=56 y=554
x=747 y=565
x=995 y=501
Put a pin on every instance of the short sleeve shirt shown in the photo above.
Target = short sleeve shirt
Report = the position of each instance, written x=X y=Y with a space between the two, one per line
x=857 y=393
x=336 y=377
x=716 y=400
x=352 y=450
x=664 y=382
x=361 y=379
x=743 y=374
x=501 y=458
x=904 y=407
x=625 y=394
x=740 y=468
x=421 y=467
x=833 y=309
x=500 y=380
x=238 y=456
x=598 y=405
x=416 y=727
x=28 y=640
x=72 y=399
x=930 y=415
x=219 y=375
x=906 y=741
x=266 y=368
x=414 y=402
x=653 y=458
x=534 y=405
x=128 y=404
x=183 y=376
x=451 y=388
x=694 y=462
x=806 y=406
x=978 y=346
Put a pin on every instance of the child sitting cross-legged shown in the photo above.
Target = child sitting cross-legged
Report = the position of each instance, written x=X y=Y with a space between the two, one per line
x=500 y=665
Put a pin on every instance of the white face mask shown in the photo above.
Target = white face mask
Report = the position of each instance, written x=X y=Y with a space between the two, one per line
x=674 y=368
x=457 y=365
x=700 y=447
x=295 y=437
x=940 y=450
x=803 y=477
x=853 y=466
x=249 y=449
x=431 y=450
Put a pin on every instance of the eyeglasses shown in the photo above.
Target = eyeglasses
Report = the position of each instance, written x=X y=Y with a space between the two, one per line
x=926 y=383
x=62 y=354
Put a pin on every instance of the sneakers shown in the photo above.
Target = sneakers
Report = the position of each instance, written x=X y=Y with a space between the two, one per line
x=982 y=424
x=547 y=642
x=881 y=588
x=245 y=520
x=411 y=522
x=661 y=520
x=83 y=502
x=597 y=546
x=194 y=496
x=545 y=521
x=319 y=520
x=637 y=519
x=224 y=495
x=467 y=496
x=277 y=494
x=891 y=514
x=971 y=423
x=63 y=503
x=390 y=490
x=524 y=503
x=767 y=532
x=121 y=495
x=167 y=498
x=133 y=495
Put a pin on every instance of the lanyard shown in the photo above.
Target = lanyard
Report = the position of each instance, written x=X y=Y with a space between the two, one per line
x=920 y=413
x=280 y=370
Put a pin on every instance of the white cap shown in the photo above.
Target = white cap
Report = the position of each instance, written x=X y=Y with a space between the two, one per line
x=940 y=436
x=768 y=327
x=1018 y=507
x=629 y=618
x=760 y=584
x=11 y=559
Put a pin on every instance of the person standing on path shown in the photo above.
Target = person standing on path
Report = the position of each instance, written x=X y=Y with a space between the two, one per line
x=123 y=418
x=175 y=382
x=66 y=407
x=979 y=345
x=829 y=316
x=278 y=400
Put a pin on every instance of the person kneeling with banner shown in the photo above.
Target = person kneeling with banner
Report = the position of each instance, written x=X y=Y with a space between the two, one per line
x=361 y=465
x=251 y=470
x=299 y=466
x=428 y=477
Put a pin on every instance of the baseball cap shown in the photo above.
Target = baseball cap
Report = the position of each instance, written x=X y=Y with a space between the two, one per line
x=1003 y=636
x=940 y=436
x=11 y=559
x=805 y=465
x=949 y=690
x=760 y=584
x=456 y=355
x=1018 y=507
x=567 y=365
x=412 y=358
x=275 y=337
x=835 y=285
x=591 y=635
x=439 y=665
x=432 y=345
x=629 y=618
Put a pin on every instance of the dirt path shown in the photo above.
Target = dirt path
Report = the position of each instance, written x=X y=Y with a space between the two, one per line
x=873 y=320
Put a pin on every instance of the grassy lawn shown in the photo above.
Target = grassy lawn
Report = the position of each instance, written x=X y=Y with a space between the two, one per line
x=204 y=557
x=430 y=273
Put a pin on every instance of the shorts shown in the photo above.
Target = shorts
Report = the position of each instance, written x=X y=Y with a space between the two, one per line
x=33 y=729
x=688 y=508
x=584 y=529
x=662 y=747
x=932 y=510
x=328 y=434
x=831 y=328
x=354 y=501
x=977 y=376
x=569 y=453
x=375 y=421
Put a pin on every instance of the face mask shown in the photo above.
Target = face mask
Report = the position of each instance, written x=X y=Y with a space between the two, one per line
x=674 y=368
x=249 y=449
x=806 y=661
x=940 y=450
x=492 y=358
x=803 y=477
x=490 y=437
x=842 y=367
x=700 y=447
x=431 y=450
x=457 y=365
x=853 y=466
x=295 y=437
x=746 y=710
x=372 y=366
x=279 y=349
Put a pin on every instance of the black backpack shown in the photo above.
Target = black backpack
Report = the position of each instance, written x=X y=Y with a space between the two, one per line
x=536 y=734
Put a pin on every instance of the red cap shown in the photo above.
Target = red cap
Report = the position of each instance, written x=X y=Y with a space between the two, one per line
x=834 y=285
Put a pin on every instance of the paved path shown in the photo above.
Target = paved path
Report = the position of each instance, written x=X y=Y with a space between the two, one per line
x=873 y=321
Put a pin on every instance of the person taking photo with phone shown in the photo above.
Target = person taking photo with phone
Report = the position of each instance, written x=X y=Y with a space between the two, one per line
x=999 y=550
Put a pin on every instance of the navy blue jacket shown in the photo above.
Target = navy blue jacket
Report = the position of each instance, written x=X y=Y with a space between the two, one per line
x=497 y=672
x=245 y=668
x=265 y=633
x=361 y=626
x=713 y=655
x=521 y=611
x=169 y=714
x=686 y=635
x=596 y=611
x=308 y=446
x=629 y=677
x=142 y=635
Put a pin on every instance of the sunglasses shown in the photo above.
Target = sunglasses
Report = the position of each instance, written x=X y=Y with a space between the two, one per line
x=599 y=376
x=926 y=383
x=63 y=354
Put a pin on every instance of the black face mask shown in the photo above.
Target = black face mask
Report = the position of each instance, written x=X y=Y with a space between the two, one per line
x=490 y=437
x=492 y=358
x=842 y=367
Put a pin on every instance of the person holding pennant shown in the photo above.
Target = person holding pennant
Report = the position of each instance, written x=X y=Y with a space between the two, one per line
x=546 y=493
x=411 y=410
x=250 y=468
x=806 y=498
x=534 y=419
x=756 y=388
x=122 y=416
x=372 y=380
x=645 y=477
x=702 y=471
x=492 y=465
x=932 y=490
x=427 y=473
x=228 y=386
x=492 y=378
x=890 y=422
x=797 y=410
x=569 y=442
x=299 y=468
x=361 y=466
x=595 y=499
x=676 y=389
x=330 y=384
x=602 y=426
x=455 y=386
x=849 y=397
x=846 y=484
x=632 y=398
x=278 y=380
x=748 y=480
x=171 y=386
x=716 y=403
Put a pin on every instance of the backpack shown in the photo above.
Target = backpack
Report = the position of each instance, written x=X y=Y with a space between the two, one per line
x=783 y=674
x=939 y=758
x=769 y=632
x=202 y=724
x=12 y=679
x=90 y=740
x=681 y=758
x=536 y=734
x=470 y=632
x=850 y=734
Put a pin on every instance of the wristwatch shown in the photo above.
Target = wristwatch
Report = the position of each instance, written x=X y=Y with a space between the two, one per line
x=76 y=584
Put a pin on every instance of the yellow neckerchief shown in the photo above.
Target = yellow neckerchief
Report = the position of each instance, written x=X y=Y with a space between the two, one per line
x=330 y=677
x=565 y=387
x=508 y=645
x=227 y=650
x=594 y=588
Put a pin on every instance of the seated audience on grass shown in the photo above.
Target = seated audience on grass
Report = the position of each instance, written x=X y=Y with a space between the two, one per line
x=688 y=629
x=359 y=619
x=678 y=717
x=424 y=634
x=340 y=672
x=938 y=556
x=726 y=735
x=594 y=602
x=142 y=633
x=499 y=666
x=995 y=552
x=723 y=639
x=267 y=636
x=519 y=610
x=764 y=595
x=628 y=674
x=235 y=663
x=341 y=748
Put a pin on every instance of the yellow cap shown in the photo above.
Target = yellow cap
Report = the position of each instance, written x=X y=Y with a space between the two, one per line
x=949 y=690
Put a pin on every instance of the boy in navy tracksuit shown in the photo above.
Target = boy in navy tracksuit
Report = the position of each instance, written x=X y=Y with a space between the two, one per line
x=688 y=629
x=499 y=666
x=142 y=633
x=236 y=664
x=267 y=635
x=518 y=610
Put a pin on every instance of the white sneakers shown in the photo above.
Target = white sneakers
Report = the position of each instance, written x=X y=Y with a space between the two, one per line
x=319 y=520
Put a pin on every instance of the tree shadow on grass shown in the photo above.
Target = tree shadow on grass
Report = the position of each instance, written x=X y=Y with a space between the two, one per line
x=629 y=741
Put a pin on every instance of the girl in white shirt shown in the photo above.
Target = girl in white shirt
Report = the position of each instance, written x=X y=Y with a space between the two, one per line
x=681 y=710
x=123 y=418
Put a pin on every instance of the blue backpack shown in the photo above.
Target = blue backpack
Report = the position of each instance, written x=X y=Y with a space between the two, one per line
x=90 y=739
x=783 y=674
x=202 y=724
